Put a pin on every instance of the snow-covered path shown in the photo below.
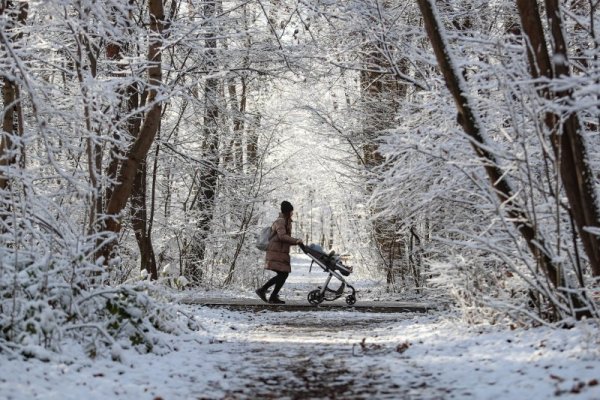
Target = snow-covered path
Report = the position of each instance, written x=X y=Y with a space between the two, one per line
x=340 y=354
x=351 y=355
x=308 y=356
x=326 y=355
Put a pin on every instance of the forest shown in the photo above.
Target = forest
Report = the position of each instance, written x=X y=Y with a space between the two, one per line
x=448 y=148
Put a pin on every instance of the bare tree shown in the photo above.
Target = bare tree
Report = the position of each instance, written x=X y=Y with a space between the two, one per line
x=207 y=184
x=565 y=128
x=472 y=126
x=137 y=153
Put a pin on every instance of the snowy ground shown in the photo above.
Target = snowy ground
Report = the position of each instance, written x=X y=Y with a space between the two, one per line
x=326 y=355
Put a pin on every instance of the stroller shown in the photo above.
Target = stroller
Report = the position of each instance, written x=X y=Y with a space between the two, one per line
x=333 y=265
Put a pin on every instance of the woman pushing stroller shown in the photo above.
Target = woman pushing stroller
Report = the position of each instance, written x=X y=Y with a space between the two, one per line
x=278 y=254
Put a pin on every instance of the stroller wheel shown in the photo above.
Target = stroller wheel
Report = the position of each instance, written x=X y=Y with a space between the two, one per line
x=350 y=299
x=314 y=297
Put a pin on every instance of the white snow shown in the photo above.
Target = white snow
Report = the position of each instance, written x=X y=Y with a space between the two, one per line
x=300 y=354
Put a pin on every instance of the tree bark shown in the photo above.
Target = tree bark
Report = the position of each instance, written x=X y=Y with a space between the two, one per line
x=113 y=51
x=246 y=220
x=12 y=121
x=139 y=214
x=568 y=144
x=141 y=145
x=139 y=221
x=7 y=148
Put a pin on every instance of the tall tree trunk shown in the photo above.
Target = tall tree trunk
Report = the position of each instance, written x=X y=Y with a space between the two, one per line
x=139 y=214
x=471 y=125
x=12 y=120
x=568 y=144
x=139 y=220
x=238 y=110
x=236 y=161
x=8 y=155
x=114 y=52
x=141 y=145
x=380 y=93
x=205 y=197
x=252 y=136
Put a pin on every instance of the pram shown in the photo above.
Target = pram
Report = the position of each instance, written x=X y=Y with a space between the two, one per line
x=333 y=265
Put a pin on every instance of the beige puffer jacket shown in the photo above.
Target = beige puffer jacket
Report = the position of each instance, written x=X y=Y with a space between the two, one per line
x=278 y=251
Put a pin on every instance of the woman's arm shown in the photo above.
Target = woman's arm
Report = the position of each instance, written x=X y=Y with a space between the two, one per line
x=282 y=234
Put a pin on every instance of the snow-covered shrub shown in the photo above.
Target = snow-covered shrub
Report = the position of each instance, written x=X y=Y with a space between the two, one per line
x=40 y=308
x=127 y=315
x=172 y=278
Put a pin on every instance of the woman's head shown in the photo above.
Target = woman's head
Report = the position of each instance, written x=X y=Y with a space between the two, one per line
x=286 y=207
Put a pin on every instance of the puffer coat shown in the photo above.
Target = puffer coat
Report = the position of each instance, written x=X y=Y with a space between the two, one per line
x=278 y=250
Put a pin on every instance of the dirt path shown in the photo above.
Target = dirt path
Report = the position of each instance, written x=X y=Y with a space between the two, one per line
x=303 y=354
x=320 y=356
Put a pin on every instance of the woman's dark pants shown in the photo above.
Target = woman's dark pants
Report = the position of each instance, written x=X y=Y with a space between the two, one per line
x=278 y=280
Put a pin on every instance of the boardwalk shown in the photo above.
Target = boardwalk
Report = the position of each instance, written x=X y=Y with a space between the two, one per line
x=248 y=304
x=301 y=281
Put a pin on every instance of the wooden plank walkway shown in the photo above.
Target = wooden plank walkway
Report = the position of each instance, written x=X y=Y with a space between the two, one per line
x=255 y=305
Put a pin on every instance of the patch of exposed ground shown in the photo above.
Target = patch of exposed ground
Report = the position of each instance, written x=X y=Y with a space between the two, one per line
x=306 y=356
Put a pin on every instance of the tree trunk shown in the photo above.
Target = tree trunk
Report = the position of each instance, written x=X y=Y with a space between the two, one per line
x=85 y=63
x=139 y=214
x=233 y=156
x=8 y=155
x=205 y=197
x=568 y=145
x=381 y=92
x=470 y=123
x=252 y=159
x=12 y=120
x=141 y=145
x=139 y=220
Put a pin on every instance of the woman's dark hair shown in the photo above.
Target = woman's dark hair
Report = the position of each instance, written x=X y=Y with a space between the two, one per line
x=286 y=207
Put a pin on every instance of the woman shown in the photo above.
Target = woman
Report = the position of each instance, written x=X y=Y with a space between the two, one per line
x=278 y=254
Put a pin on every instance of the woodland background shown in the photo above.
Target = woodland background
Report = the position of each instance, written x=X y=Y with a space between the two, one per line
x=449 y=148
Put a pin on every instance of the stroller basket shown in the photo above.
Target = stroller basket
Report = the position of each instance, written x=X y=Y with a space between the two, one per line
x=333 y=265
